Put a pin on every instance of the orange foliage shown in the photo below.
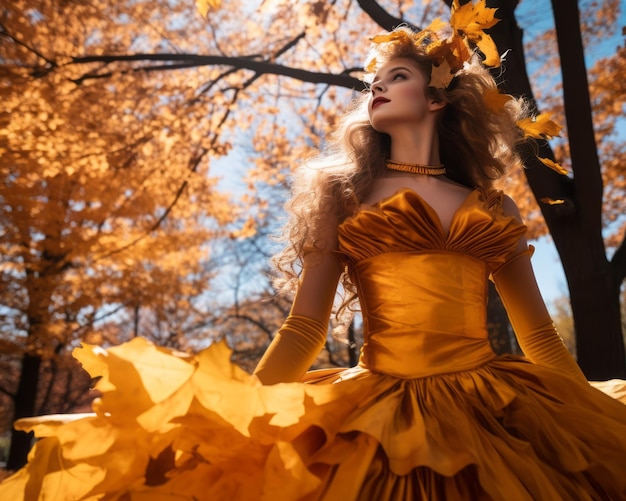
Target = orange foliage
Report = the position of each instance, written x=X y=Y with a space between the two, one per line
x=107 y=201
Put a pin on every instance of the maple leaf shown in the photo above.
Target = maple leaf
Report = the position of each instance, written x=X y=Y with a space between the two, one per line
x=441 y=76
x=469 y=21
x=540 y=127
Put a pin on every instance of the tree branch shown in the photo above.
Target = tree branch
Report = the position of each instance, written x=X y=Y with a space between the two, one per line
x=40 y=71
x=381 y=17
x=181 y=61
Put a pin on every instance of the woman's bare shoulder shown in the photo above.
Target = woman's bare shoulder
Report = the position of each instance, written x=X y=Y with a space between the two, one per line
x=510 y=208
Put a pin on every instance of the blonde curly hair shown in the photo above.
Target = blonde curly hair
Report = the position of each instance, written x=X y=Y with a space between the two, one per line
x=476 y=142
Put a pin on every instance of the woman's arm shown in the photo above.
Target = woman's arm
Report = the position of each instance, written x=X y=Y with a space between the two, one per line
x=516 y=284
x=303 y=334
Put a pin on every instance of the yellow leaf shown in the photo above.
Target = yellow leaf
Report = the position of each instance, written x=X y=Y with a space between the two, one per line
x=204 y=6
x=540 y=127
x=91 y=357
x=469 y=20
x=495 y=101
x=441 y=76
x=371 y=66
x=159 y=374
x=390 y=37
x=553 y=165
x=432 y=34
x=551 y=201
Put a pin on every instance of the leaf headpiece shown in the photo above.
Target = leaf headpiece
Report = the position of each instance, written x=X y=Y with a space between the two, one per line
x=448 y=45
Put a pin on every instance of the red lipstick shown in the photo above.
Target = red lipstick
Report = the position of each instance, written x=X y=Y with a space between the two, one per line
x=378 y=101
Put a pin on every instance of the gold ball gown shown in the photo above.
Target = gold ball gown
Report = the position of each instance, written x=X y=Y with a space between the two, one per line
x=430 y=412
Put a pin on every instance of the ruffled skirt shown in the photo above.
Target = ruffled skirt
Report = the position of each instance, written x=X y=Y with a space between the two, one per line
x=173 y=426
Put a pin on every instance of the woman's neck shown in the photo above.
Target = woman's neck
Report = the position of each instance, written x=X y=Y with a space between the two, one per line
x=418 y=147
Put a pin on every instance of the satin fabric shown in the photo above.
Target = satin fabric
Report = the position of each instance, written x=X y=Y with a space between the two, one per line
x=416 y=323
x=429 y=413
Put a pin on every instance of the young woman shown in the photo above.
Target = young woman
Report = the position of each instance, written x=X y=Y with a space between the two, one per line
x=403 y=212
x=412 y=214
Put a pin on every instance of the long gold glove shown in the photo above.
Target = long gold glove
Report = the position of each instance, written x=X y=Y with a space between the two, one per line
x=292 y=351
x=303 y=334
x=536 y=334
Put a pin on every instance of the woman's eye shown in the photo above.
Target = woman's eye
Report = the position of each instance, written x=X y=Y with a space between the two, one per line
x=398 y=76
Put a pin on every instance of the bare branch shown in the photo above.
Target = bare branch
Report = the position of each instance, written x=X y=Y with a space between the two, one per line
x=381 y=16
x=181 y=61
x=50 y=64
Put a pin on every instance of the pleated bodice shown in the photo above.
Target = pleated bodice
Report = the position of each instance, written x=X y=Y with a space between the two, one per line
x=423 y=293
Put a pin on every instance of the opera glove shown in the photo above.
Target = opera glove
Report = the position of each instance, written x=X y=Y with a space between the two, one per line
x=536 y=334
x=292 y=351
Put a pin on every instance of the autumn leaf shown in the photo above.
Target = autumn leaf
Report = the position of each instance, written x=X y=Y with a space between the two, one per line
x=371 y=65
x=441 y=76
x=539 y=127
x=469 y=20
x=495 y=100
x=248 y=229
x=91 y=359
x=393 y=36
x=554 y=166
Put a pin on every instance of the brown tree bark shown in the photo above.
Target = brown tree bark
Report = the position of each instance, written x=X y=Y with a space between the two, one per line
x=575 y=226
x=25 y=399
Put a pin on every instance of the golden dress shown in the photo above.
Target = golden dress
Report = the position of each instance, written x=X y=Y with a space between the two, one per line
x=429 y=413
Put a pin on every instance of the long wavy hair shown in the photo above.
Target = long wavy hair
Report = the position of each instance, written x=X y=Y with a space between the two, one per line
x=476 y=144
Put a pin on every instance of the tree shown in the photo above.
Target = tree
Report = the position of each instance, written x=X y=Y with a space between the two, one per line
x=107 y=206
x=576 y=224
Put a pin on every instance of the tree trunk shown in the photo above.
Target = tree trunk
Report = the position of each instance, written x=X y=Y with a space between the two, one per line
x=575 y=225
x=501 y=334
x=25 y=401
x=353 y=349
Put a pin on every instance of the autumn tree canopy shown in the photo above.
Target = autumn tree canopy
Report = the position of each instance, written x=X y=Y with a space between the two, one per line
x=135 y=135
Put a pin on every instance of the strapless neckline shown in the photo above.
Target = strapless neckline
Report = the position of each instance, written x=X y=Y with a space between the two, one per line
x=404 y=221
x=411 y=196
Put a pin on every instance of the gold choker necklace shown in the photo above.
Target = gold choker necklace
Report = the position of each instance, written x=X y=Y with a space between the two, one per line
x=429 y=170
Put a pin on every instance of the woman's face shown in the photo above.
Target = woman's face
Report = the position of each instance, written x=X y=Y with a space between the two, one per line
x=398 y=95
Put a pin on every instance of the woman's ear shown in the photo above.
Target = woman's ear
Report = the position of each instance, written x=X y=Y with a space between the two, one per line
x=436 y=105
x=436 y=101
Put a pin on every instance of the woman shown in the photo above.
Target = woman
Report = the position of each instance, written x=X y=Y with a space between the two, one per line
x=439 y=416
x=405 y=203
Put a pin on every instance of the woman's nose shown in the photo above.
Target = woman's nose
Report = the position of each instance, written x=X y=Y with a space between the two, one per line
x=378 y=86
